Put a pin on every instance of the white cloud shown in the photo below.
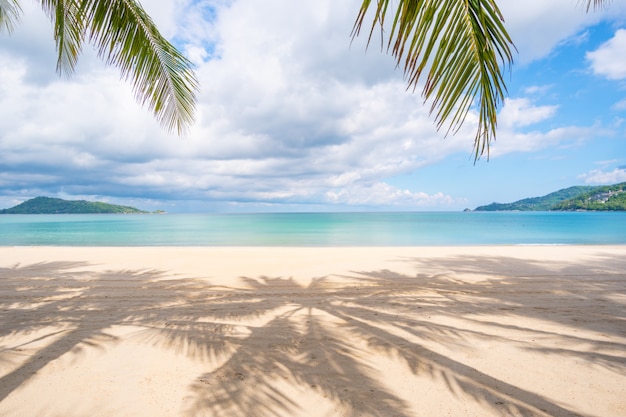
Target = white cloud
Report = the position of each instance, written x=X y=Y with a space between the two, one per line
x=537 y=89
x=169 y=15
x=608 y=59
x=516 y=133
x=512 y=141
x=519 y=112
x=598 y=176
x=620 y=105
x=382 y=194
x=290 y=111
x=538 y=26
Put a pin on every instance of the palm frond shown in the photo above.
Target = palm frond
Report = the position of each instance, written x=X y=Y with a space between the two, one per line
x=597 y=4
x=125 y=36
x=10 y=12
x=465 y=47
x=68 y=32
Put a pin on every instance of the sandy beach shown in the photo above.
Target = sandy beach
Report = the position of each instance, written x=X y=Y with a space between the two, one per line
x=260 y=332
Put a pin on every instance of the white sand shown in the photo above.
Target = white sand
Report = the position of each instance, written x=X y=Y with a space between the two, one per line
x=260 y=332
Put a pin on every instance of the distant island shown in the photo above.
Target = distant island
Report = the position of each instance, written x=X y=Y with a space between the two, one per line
x=47 y=205
x=579 y=198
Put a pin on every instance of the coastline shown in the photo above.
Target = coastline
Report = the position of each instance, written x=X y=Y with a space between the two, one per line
x=533 y=330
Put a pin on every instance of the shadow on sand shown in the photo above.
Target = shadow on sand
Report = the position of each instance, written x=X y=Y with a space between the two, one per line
x=317 y=337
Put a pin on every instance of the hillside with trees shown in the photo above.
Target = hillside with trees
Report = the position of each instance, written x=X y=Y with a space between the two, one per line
x=578 y=198
x=47 y=205
x=608 y=198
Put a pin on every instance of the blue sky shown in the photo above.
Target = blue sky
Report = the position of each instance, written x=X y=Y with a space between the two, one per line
x=293 y=117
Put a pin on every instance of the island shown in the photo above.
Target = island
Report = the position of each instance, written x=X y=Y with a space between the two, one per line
x=47 y=205
x=578 y=198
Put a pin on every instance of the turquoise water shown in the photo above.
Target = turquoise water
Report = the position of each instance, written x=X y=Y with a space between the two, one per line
x=315 y=229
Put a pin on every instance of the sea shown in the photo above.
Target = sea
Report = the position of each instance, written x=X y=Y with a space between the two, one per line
x=316 y=229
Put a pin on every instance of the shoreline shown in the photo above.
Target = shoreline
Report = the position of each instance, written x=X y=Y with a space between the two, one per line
x=533 y=330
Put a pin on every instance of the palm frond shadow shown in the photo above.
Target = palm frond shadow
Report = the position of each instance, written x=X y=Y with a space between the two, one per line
x=67 y=308
x=301 y=346
x=265 y=343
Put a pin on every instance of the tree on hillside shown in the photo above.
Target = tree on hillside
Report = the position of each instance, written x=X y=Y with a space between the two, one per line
x=464 y=47
x=126 y=37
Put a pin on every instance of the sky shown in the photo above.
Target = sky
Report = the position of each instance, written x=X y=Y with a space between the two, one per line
x=295 y=116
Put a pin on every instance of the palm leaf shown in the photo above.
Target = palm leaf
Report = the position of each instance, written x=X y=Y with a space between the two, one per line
x=464 y=47
x=162 y=77
x=68 y=32
x=125 y=36
x=597 y=4
x=10 y=11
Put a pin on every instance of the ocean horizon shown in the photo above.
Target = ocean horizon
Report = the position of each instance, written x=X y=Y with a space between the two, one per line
x=315 y=229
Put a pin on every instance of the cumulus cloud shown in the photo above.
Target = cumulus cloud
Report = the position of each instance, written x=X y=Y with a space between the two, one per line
x=538 y=26
x=608 y=60
x=518 y=112
x=290 y=111
x=382 y=194
x=518 y=129
x=601 y=177
x=532 y=141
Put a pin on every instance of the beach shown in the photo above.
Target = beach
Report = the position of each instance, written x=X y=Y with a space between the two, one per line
x=313 y=331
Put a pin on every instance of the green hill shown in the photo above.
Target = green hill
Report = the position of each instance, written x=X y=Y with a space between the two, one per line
x=593 y=198
x=607 y=198
x=46 y=205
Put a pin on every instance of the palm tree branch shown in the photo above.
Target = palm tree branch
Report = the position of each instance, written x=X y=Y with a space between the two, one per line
x=468 y=67
x=68 y=32
x=597 y=4
x=10 y=12
x=125 y=36
x=463 y=44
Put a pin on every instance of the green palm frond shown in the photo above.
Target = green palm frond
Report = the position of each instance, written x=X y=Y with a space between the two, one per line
x=10 y=12
x=464 y=47
x=124 y=36
x=68 y=32
x=162 y=77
